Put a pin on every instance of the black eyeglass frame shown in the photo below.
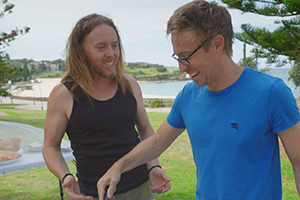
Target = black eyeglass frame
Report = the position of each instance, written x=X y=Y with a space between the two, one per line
x=182 y=59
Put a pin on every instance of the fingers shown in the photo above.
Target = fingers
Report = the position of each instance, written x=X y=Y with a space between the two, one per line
x=102 y=192
x=156 y=190
x=167 y=187
x=160 y=181
x=73 y=192
x=111 y=190
x=88 y=198
x=72 y=195
x=162 y=186
x=165 y=177
x=161 y=189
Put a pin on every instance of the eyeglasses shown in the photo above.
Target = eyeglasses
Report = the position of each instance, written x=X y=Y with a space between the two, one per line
x=185 y=60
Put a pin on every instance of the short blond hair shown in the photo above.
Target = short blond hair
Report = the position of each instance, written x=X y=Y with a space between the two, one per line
x=204 y=20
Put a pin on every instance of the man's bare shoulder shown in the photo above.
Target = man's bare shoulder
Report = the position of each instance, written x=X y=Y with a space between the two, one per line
x=130 y=78
x=60 y=100
x=133 y=82
x=60 y=90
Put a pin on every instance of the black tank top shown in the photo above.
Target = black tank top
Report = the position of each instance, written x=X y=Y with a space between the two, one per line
x=101 y=132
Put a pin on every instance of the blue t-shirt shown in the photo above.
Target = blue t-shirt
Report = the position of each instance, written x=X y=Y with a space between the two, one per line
x=233 y=135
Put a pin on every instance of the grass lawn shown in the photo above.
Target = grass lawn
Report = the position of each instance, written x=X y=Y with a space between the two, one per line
x=177 y=161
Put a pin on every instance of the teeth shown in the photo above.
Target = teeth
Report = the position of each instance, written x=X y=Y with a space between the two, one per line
x=194 y=74
x=110 y=63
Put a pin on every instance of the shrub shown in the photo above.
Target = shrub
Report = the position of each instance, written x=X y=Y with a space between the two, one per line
x=156 y=103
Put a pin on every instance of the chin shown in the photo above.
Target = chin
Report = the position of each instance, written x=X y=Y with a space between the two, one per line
x=199 y=84
x=109 y=76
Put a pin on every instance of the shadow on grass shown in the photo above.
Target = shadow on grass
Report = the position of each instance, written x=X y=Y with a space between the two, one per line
x=175 y=195
x=19 y=196
x=8 y=106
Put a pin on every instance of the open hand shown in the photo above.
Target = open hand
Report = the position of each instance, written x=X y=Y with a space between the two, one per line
x=72 y=190
x=160 y=182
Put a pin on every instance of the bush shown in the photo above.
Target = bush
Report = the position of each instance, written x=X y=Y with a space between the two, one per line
x=161 y=69
x=156 y=103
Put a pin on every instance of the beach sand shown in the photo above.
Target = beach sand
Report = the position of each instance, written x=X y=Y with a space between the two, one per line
x=29 y=95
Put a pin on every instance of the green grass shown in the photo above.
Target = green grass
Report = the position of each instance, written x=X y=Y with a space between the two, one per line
x=177 y=161
x=32 y=117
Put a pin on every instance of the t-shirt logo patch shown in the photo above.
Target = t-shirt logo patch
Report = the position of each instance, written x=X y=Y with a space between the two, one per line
x=235 y=125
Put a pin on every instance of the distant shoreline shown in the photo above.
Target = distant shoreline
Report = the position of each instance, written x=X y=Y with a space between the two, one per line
x=31 y=91
x=47 y=84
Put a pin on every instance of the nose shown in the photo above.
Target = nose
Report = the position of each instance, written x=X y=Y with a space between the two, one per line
x=110 y=52
x=182 y=67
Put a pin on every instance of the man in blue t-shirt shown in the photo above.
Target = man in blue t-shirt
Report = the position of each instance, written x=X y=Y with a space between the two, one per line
x=233 y=115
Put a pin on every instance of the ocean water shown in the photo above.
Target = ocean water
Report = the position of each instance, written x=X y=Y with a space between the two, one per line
x=169 y=89
x=161 y=89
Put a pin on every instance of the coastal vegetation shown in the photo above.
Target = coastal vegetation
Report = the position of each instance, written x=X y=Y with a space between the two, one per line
x=30 y=69
x=156 y=103
x=26 y=71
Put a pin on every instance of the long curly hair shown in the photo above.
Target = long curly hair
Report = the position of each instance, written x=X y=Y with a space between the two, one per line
x=79 y=69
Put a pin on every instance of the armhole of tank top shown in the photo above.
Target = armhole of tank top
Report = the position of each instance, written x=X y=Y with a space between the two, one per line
x=69 y=85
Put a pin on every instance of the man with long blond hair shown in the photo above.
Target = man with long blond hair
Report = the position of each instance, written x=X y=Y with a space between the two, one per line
x=233 y=115
x=98 y=106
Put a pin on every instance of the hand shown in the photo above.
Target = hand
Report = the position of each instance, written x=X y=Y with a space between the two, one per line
x=160 y=182
x=72 y=190
x=110 y=179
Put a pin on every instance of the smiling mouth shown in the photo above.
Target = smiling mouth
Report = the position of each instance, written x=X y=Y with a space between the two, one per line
x=110 y=63
x=194 y=74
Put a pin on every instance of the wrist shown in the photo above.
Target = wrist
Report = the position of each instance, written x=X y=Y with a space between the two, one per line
x=65 y=176
x=151 y=168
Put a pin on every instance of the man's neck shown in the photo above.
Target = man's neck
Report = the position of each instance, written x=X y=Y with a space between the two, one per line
x=227 y=74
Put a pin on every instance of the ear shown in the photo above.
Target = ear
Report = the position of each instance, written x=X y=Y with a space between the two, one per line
x=218 y=43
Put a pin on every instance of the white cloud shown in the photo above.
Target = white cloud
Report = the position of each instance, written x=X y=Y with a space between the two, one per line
x=142 y=25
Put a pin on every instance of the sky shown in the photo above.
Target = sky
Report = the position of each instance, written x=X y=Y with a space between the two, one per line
x=141 y=23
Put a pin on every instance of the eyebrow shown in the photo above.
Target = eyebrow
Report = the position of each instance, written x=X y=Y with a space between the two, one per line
x=104 y=43
x=180 y=55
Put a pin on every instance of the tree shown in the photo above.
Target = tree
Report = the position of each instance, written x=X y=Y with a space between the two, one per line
x=295 y=74
x=61 y=63
x=284 y=40
x=7 y=37
x=25 y=73
x=249 y=62
x=161 y=69
x=7 y=71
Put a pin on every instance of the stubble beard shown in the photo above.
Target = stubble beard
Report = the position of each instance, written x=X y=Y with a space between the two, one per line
x=109 y=74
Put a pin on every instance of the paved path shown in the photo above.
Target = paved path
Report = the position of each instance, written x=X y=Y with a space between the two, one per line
x=25 y=104
x=2 y=113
